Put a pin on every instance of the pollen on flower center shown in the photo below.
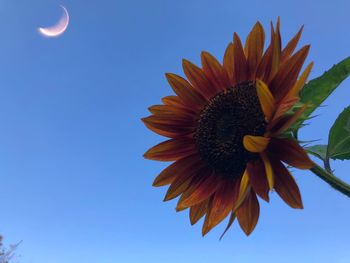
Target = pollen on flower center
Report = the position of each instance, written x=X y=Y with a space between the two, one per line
x=223 y=123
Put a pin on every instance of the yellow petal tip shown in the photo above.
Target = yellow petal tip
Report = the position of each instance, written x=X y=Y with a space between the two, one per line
x=255 y=144
x=267 y=101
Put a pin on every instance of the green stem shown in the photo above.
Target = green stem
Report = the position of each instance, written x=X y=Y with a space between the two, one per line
x=327 y=166
x=333 y=181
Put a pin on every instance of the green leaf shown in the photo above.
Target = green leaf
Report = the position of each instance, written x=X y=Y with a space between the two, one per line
x=319 y=150
x=339 y=137
x=317 y=90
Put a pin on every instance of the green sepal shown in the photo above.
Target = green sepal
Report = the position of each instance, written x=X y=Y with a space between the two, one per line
x=319 y=150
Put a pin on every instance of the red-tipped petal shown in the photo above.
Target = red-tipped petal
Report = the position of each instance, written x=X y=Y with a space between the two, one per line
x=286 y=186
x=198 y=79
x=170 y=110
x=215 y=72
x=248 y=213
x=292 y=44
x=258 y=179
x=229 y=63
x=290 y=152
x=202 y=176
x=240 y=61
x=169 y=128
x=182 y=182
x=171 y=150
x=276 y=51
x=173 y=100
x=254 y=47
x=185 y=91
x=203 y=190
x=229 y=224
x=301 y=81
x=198 y=211
x=287 y=75
x=169 y=174
x=221 y=205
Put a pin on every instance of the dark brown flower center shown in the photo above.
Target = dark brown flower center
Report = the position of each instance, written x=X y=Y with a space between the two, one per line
x=223 y=123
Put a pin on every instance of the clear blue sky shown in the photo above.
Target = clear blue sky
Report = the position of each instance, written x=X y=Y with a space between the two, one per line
x=74 y=184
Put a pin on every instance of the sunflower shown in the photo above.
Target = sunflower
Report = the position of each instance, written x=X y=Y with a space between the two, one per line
x=229 y=129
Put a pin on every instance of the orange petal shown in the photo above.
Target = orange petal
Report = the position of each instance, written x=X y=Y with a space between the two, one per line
x=268 y=169
x=182 y=182
x=276 y=51
x=177 y=188
x=229 y=224
x=167 y=113
x=264 y=68
x=167 y=127
x=171 y=150
x=203 y=190
x=173 y=100
x=301 y=81
x=286 y=186
x=185 y=91
x=266 y=99
x=240 y=61
x=278 y=33
x=169 y=174
x=201 y=176
x=215 y=72
x=179 y=207
x=198 y=211
x=168 y=110
x=158 y=109
x=254 y=47
x=255 y=144
x=290 y=152
x=167 y=131
x=258 y=179
x=198 y=80
x=205 y=228
x=221 y=205
x=288 y=50
x=229 y=63
x=179 y=120
x=248 y=213
x=286 y=77
x=162 y=131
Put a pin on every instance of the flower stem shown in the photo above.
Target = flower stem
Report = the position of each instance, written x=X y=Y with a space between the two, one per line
x=333 y=181
x=327 y=166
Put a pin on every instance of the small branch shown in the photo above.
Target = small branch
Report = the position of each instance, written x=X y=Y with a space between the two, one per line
x=295 y=134
x=327 y=166
x=333 y=181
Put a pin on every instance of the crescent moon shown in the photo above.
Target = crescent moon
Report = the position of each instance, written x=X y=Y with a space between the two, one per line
x=59 y=28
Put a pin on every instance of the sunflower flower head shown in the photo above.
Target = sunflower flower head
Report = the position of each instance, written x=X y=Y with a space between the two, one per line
x=229 y=130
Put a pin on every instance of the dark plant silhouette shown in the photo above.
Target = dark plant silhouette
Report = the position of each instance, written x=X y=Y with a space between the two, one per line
x=8 y=255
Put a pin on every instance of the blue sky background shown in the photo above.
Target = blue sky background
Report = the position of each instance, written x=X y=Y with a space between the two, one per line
x=74 y=184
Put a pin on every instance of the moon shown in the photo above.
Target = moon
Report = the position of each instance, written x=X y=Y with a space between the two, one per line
x=57 y=29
